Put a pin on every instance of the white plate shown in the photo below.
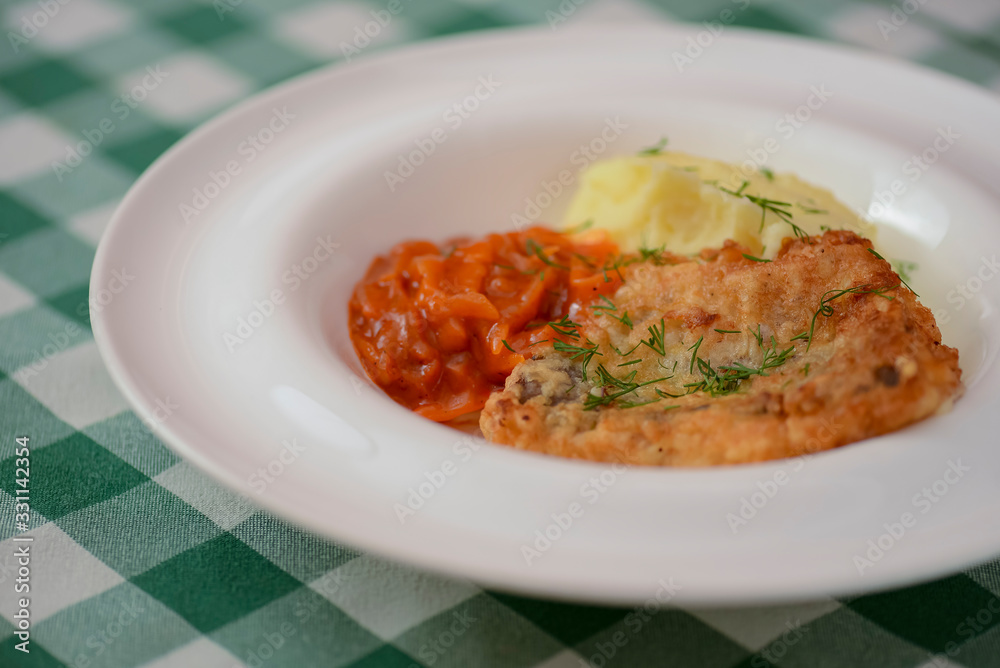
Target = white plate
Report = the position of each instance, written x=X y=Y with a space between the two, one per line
x=320 y=172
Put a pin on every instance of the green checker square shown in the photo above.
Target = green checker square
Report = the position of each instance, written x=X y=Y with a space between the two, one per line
x=122 y=626
x=41 y=82
x=139 y=153
x=131 y=440
x=38 y=657
x=123 y=52
x=458 y=18
x=568 y=623
x=24 y=416
x=48 y=261
x=666 y=637
x=32 y=336
x=71 y=474
x=303 y=555
x=963 y=62
x=103 y=116
x=300 y=629
x=983 y=651
x=74 y=304
x=114 y=529
x=260 y=58
x=694 y=11
x=224 y=580
x=927 y=614
x=17 y=218
x=766 y=19
x=845 y=638
x=385 y=656
x=477 y=630
x=94 y=181
x=202 y=24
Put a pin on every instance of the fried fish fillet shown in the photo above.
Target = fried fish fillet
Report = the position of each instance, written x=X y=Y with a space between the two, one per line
x=738 y=361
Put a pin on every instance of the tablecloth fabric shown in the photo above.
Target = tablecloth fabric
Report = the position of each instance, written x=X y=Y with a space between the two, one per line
x=138 y=559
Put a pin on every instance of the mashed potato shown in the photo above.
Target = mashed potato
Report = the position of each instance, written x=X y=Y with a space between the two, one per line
x=677 y=200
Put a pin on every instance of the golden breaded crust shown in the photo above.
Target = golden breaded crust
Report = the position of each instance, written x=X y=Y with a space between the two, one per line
x=874 y=365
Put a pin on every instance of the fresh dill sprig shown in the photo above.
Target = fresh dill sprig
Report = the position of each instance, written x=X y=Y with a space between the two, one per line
x=576 y=229
x=654 y=255
x=656 y=148
x=656 y=341
x=754 y=259
x=903 y=280
x=507 y=345
x=768 y=174
x=587 y=353
x=694 y=355
x=609 y=310
x=534 y=248
x=826 y=310
x=626 y=385
x=777 y=207
x=630 y=363
x=728 y=331
x=807 y=209
x=566 y=327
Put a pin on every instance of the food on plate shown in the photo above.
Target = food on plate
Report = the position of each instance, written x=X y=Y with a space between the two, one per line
x=688 y=203
x=756 y=328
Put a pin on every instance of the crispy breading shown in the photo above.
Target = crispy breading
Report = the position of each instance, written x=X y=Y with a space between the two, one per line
x=875 y=362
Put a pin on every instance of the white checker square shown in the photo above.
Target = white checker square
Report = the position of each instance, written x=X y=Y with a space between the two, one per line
x=62 y=573
x=90 y=225
x=36 y=143
x=758 y=628
x=387 y=598
x=565 y=659
x=322 y=28
x=67 y=24
x=202 y=653
x=939 y=661
x=873 y=27
x=74 y=385
x=12 y=297
x=183 y=88
x=972 y=15
x=218 y=504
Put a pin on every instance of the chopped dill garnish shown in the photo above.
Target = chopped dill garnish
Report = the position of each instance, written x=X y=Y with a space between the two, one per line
x=824 y=228
x=807 y=209
x=626 y=385
x=754 y=259
x=805 y=369
x=826 y=310
x=667 y=408
x=654 y=255
x=768 y=174
x=621 y=354
x=534 y=248
x=728 y=331
x=630 y=363
x=655 y=149
x=507 y=345
x=903 y=280
x=777 y=207
x=536 y=343
x=694 y=355
x=566 y=327
x=576 y=229
x=609 y=308
x=587 y=353
x=656 y=341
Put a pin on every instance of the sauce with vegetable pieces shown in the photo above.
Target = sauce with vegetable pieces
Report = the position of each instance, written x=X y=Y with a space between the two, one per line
x=440 y=328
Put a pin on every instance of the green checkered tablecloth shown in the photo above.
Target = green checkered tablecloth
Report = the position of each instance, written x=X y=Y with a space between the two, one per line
x=138 y=559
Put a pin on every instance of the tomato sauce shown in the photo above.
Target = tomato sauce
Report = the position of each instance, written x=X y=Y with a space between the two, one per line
x=441 y=327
